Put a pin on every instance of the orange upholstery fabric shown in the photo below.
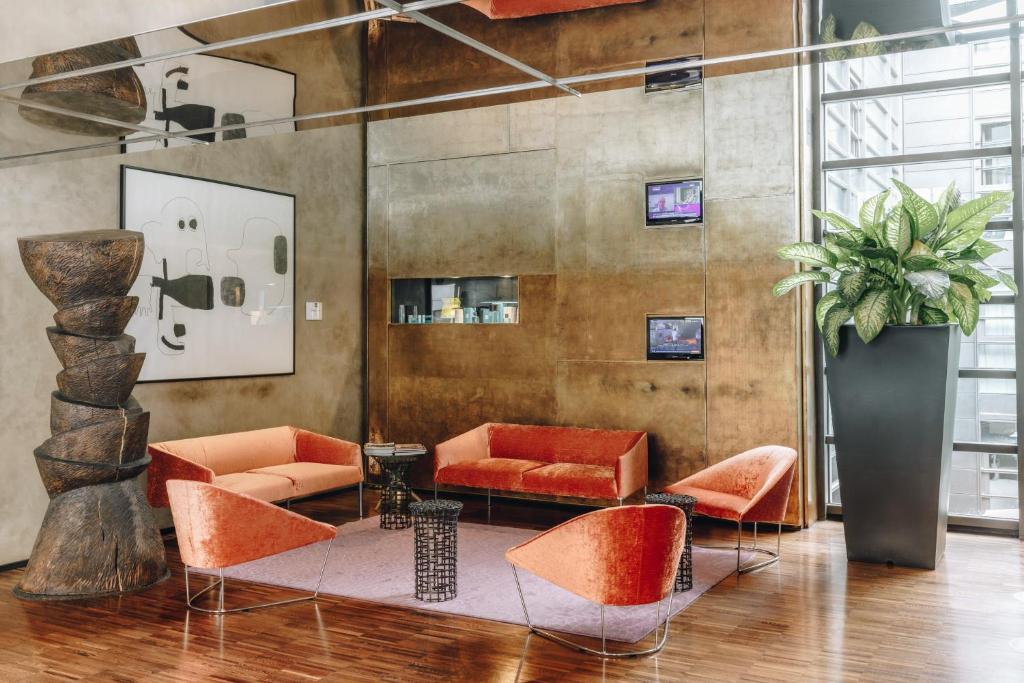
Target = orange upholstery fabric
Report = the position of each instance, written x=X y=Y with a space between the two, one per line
x=217 y=528
x=515 y=9
x=230 y=461
x=310 y=477
x=616 y=556
x=560 y=444
x=490 y=473
x=598 y=463
x=567 y=479
x=752 y=486
x=164 y=466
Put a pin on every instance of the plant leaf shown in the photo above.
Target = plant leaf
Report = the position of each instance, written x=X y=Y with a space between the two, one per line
x=924 y=262
x=837 y=221
x=808 y=253
x=964 y=306
x=873 y=211
x=933 y=316
x=852 y=285
x=790 y=281
x=824 y=304
x=898 y=234
x=887 y=268
x=923 y=214
x=931 y=283
x=871 y=313
x=948 y=200
x=966 y=224
x=866 y=30
x=981 y=250
x=1005 y=279
x=975 y=276
x=836 y=316
x=829 y=35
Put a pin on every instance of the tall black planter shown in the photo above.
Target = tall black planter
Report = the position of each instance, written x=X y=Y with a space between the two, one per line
x=893 y=403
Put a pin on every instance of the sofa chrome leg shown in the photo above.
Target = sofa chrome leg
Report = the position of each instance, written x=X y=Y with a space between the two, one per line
x=739 y=544
x=220 y=583
x=488 y=506
x=360 y=500
x=435 y=490
x=620 y=502
x=659 y=642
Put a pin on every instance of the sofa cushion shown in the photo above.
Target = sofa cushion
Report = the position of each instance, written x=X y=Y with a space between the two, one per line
x=313 y=477
x=712 y=503
x=490 y=473
x=239 y=452
x=569 y=479
x=560 y=444
x=268 y=487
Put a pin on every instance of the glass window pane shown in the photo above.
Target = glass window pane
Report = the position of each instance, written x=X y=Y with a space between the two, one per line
x=986 y=411
x=984 y=484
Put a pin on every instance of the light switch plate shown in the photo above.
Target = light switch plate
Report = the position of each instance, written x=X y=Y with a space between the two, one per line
x=314 y=310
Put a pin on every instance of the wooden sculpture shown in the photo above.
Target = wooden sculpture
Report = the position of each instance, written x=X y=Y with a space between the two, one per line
x=116 y=94
x=99 y=536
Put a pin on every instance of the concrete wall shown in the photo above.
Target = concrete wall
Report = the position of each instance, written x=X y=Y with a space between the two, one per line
x=324 y=169
x=552 y=191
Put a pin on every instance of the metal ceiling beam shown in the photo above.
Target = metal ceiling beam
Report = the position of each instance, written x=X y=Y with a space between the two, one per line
x=476 y=45
x=358 y=18
x=572 y=80
x=166 y=135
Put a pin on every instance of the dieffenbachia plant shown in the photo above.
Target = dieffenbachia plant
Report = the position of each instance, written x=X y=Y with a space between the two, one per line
x=915 y=263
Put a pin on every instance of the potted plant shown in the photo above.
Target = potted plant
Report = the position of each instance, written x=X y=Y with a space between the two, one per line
x=908 y=275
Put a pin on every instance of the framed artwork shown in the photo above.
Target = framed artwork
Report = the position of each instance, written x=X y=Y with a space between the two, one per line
x=199 y=91
x=217 y=284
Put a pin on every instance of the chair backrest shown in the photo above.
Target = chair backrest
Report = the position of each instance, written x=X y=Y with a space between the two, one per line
x=218 y=528
x=237 y=452
x=747 y=473
x=616 y=556
x=560 y=444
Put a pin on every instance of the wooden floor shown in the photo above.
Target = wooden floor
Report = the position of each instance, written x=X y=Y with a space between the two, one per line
x=814 y=617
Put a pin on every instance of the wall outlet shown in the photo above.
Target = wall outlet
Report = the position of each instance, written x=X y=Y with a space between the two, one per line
x=314 y=310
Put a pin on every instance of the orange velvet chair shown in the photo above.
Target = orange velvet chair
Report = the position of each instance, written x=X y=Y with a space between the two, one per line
x=750 y=487
x=615 y=556
x=217 y=528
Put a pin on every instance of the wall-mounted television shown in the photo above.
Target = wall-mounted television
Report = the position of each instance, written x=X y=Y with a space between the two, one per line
x=673 y=337
x=675 y=202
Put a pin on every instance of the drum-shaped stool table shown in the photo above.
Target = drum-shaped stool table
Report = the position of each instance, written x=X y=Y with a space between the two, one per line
x=437 y=549
x=684 y=576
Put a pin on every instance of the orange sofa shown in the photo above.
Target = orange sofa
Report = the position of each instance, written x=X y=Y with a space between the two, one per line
x=556 y=461
x=274 y=465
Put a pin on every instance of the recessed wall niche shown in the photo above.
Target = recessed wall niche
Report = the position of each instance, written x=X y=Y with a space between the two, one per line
x=491 y=300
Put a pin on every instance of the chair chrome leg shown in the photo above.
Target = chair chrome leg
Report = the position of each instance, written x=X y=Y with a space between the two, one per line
x=220 y=584
x=360 y=500
x=773 y=556
x=488 y=506
x=659 y=643
x=620 y=502
x=435 y=490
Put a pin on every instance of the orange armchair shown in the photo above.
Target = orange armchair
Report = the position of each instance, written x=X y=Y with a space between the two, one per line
x=750 y=487
x=615 y=556
x=217 y=528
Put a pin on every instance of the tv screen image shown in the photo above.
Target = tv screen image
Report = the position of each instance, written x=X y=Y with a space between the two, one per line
x=675 y=338
x=675 y=202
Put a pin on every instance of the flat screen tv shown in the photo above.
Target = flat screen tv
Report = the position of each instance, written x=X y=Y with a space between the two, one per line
x=675 y=337
x=675 y=202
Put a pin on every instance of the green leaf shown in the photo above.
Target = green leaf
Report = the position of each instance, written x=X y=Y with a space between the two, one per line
x=790 y=281
x=964 y=306
x=966 y=224
x=808 y=253
x=829 y=35
x=852 y=285
x=898 y=233
x=975 y=276
x=837 y=221
x=933 y=316
x=825 y=303
x=981 y=250
x=1006 y=280
x=948 y=200
x=846 y=240
x=923 y=262
x=873 y=211
x=866 y=30
x=931 y=283
x=836 y=316
x=887 y=268
x=871 y=313
x=922 y=213
x=981 y=293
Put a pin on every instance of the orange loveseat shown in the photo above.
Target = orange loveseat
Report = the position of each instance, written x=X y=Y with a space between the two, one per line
x=274 y=465
x=556 y=461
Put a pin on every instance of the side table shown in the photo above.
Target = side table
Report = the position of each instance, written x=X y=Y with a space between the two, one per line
x=394 y=499
x=437 y=552
x=684 y=575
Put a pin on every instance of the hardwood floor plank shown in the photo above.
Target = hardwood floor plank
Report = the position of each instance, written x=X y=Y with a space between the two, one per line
x=813 y=617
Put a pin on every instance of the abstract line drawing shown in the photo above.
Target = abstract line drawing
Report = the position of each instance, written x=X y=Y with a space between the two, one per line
x=217 y=283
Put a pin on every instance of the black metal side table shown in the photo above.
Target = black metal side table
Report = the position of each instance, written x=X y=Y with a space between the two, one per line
x=437 y=548
x=684 y=575
x=394 y=499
